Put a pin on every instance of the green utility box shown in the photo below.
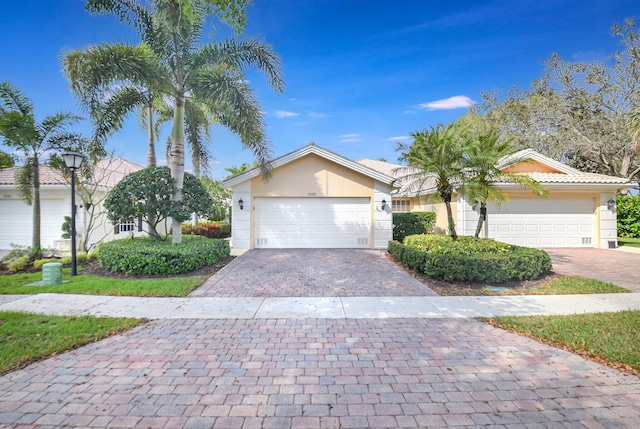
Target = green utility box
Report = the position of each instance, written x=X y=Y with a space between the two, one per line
x=51 y=273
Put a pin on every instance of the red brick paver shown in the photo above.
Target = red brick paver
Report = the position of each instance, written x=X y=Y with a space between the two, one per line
x=319 y=373
x=312 y=273
x=608 y=265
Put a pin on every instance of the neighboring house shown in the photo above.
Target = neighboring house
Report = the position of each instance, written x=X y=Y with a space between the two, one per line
x=313 y=199
x=92 y=226
x=579 y=210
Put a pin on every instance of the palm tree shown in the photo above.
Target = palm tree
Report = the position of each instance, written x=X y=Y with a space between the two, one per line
x=19 y=130
x=177 y=65
x=484 y=174
x=436 y=159
x=6 y=160
x=234 y=169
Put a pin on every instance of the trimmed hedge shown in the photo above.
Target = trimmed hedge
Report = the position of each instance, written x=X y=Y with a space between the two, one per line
x=208 y=229
x=146 y=256
x=628 y=213
x=487 y=262
x=412 y=223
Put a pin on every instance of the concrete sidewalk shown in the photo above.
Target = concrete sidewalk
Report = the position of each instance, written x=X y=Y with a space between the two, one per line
x=318 y=307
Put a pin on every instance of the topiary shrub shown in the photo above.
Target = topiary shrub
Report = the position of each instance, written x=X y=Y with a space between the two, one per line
x=405 y=224
x=145 y=256
x=628 y=213
x=208 y=229
x=468 y=259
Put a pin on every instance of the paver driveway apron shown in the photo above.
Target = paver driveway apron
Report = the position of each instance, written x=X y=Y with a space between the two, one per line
x=318 y=373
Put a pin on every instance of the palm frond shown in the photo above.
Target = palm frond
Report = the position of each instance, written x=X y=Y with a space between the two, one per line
x=13 y=100
x=24 y=181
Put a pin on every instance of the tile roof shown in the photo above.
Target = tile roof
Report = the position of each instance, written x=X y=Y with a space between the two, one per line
x=107 y=173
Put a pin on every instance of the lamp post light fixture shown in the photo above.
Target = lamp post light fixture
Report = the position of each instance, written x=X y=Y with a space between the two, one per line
x=611 y=204
x=73 y=160
x=383 y=205
x=241 y=203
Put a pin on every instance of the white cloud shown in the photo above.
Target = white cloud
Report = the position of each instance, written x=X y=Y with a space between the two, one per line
x=285 y=114
x=410 y=112
x=394 y=139
x=347 y=136
x=456 y=102
x=353 y=140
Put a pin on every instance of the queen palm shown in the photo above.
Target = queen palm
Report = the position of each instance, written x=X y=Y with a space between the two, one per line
x=176 y=65
x=436 y=158
x=484 y=174
x=19 y=130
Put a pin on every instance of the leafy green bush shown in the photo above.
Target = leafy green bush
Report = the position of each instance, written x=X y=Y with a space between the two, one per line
x=146 y=256
x=18 y=264
x=468 y=259
x=81 y=257
x=628 y=211
x=92 y=254
x=38 y=263
x=412 y=223
x=208 y=229
x=444 y=244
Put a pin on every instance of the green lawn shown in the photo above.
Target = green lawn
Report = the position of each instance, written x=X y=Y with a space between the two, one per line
x=95 y=285
x=612 y=338
x=627 y=241
x=26 y=338
x=572 y=285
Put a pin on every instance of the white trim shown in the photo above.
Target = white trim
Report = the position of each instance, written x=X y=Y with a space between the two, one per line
x=522 y=155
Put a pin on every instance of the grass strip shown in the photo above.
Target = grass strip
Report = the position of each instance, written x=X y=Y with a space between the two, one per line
x=574 y=285
x=629 y=241
x=25 y=337
x=87 y=284
x=608 y=338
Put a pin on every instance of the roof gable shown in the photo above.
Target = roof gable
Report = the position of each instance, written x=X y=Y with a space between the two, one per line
x=539 y=163
x=309 y=149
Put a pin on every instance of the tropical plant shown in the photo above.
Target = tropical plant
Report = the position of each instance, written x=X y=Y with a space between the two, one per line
x=436 y=159
x=234 y=169
x=148 y=194
x=6 y=160
x=485 y=173
x=220 y=197
x=19 y=130
x=181 y=68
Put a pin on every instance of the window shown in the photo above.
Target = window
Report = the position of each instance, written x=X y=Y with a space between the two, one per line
x=128 y=226
x=401 y=205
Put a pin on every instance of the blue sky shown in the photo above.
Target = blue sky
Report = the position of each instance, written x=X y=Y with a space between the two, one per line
x=361 y=74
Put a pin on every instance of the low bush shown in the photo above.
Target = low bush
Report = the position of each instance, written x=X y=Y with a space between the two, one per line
x=38 y=263
x=92 y=254
x=468 y=259
x=145 y=256
x=412 y=223
x=18 y=264
x=628 y=215
x=208 y=229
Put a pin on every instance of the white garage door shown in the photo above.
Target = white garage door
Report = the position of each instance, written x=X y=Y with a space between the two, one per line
x=543 y=222
x=312 y=222
x=16 y=223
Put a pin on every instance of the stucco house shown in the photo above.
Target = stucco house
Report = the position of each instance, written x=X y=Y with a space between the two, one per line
x=579 y=210
x=92 y=226
x=317 y=198
x=314 y=199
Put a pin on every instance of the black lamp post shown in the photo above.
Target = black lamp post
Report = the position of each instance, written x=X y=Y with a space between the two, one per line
x=73 y=160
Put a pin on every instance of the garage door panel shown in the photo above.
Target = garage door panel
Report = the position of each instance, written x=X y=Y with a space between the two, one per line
x=17 y=222
x=543 y=222
x=312 y=222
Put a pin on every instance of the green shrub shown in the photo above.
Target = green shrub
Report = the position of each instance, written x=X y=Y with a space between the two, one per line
x=468 y=259
x=208 y=229
x=412 y=223
x=18 y=264
x=38 y=263
x=92 y=254
x=628 y=212
x=66 y=260
x=81 y=257
x=145 y=256
x=444 y=244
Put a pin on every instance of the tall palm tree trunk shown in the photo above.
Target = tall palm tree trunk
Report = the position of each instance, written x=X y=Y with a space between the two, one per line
x=176 y=160
x=35 y=239
x=481 y=219
x=452 y=225
x=151 y=149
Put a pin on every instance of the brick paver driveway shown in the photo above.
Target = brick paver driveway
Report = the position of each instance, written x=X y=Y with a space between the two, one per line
x=319 y=373
x=312 y=272
x=614 y=266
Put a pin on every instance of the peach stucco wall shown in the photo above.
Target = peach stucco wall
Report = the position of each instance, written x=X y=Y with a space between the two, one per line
x=529 y=167
x=313 y=176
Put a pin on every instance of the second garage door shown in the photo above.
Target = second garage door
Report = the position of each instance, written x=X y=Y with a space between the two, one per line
x=17 y=223
x=543 y=222
x=312 y=222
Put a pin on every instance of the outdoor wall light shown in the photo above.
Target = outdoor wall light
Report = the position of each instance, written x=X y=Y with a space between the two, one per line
x=611 y=204
x=384 y=205
x=241 y=203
